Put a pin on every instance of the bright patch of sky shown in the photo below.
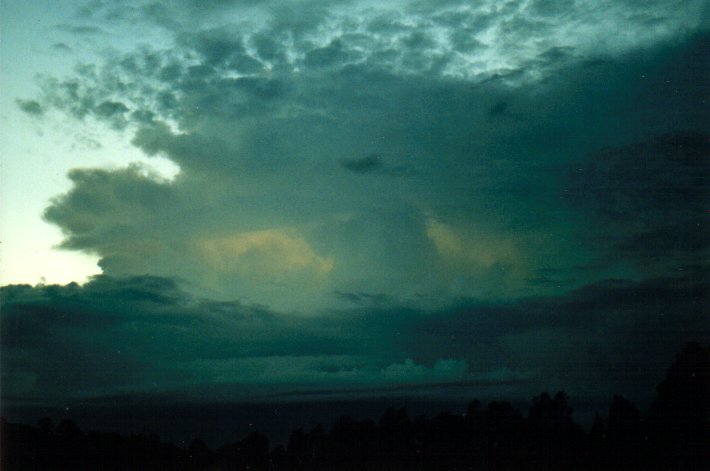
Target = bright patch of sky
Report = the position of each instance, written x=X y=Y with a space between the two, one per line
x=45 y=38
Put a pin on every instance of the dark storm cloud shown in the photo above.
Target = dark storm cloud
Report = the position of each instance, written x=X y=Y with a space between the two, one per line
x=612 y=335
x=257 y=149
x=268 y=120
x=400 y=388
x=374 y=164
x=82 y=99
x=369 y=164
x=80 y=30
x=61 y=47
x=127 y=334
x=31 y=107
x=222 y=48
x=608 y=302
x=110 y=109
x=367 y=299
x=191 y=151
x=147 y=335
x=499 y=109
x=74 y=341
x=333 y=54
x=105 y=204
x=655 y=194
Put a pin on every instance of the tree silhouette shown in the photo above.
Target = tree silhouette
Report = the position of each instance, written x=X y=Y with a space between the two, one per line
x=252 y=453
x=46 y=425
x=678 y=420
x=673 y=434
x=553 y=437
x=625 y=431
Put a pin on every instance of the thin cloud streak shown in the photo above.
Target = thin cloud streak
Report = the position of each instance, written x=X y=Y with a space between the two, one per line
x=413 y=387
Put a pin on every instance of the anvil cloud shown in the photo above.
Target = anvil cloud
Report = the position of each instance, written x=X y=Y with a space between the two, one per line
x=374 y=197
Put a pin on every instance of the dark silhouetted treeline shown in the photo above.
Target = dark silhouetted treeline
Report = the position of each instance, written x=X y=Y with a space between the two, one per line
x=673 y=434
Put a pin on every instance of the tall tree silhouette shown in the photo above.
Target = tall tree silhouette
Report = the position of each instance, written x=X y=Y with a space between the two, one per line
x=553 y=437
x=679 y=418
x=625 y=432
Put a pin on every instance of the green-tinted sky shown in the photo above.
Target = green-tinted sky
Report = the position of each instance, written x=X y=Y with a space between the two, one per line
x=276 y=197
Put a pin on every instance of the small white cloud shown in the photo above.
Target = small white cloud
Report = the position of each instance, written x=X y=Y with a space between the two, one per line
x=409 y=371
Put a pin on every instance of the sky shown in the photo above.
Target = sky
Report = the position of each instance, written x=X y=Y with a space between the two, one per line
x=262 y=201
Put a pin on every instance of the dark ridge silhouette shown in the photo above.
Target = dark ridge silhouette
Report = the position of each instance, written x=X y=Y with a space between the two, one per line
x=674 y=434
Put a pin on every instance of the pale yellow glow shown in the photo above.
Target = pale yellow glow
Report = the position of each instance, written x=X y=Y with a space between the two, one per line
x=262 y=253
x=470 y=248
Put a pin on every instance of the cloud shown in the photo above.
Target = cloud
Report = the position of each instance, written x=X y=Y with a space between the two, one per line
x=473 y=250
x=128 y=334
x=62 y=47
x=549 y=232
x=270 y=109
x=30 y=107
x=611 y=335
x=363 y=298
x=109 y=109
x=148 y=335
x=263 y=253
x=410 y=371
x=80 y=30
x=340 y=374
x=375 y=165
x=499 y=109
x=371 y=163
x=106 y=205
x=480 y=259
x=655 y=194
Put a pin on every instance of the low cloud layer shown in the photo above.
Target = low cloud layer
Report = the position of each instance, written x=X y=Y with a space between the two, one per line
x=146 y=335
